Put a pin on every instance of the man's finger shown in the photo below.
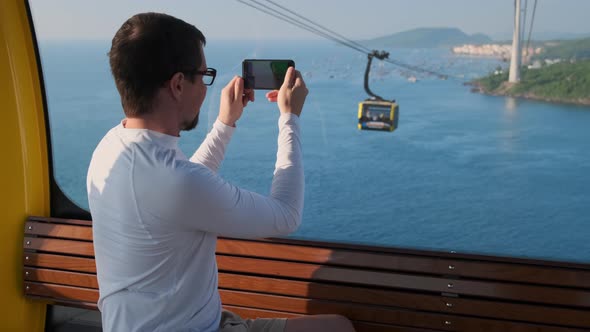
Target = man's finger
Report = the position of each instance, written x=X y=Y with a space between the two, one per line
x=289 y=77
x=299 y=79
x=247 y=96
x=238 y=88
x=249 y=93
x=230 y=88
x=272 y=96
x=299 y=82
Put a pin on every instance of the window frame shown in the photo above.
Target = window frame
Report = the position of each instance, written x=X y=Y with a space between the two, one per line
x=61 y=206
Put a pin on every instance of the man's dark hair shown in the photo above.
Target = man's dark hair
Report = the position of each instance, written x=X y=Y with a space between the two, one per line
x=146 y=51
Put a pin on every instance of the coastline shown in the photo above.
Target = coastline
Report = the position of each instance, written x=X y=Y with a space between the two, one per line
x=505 y=91
x=562 y=81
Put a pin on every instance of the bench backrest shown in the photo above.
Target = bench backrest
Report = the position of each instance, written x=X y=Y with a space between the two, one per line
x=379 y=290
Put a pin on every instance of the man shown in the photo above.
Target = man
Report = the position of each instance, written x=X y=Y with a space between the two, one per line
x=156 y=213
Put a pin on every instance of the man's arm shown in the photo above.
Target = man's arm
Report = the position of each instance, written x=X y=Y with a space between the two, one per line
x=222 y=208
x=211 y=204
x=212 y=150
x=233 y=100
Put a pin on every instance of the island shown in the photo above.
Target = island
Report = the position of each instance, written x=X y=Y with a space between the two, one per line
x=560 y=73
x=427 y=38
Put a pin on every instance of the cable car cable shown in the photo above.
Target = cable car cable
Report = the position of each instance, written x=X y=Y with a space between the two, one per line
x=307 y=27
x=531 y=27
x=367 y=50
x=422 y=70
x=297 y=23
x=524 y=15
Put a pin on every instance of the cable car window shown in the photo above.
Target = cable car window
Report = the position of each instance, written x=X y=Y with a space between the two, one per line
x=468 y=156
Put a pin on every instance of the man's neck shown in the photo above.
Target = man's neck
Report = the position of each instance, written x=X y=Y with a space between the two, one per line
x=153 y=122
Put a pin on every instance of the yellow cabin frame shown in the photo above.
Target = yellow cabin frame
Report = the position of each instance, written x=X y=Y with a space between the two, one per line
x=24 y=170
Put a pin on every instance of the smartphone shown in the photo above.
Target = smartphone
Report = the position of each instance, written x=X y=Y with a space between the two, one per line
x=265 y=74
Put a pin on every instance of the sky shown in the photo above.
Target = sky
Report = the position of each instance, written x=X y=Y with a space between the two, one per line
x=359 y=19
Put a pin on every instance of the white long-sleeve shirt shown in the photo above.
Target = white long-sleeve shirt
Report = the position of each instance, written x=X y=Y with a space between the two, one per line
x=156 y=216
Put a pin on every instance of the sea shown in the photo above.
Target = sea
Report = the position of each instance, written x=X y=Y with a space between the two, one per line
x=463 y=172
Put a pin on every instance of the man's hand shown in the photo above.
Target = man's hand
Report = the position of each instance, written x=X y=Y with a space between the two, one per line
x=233 y=100
x=291 y=96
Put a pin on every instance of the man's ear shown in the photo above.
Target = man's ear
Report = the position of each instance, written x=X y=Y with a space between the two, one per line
x=176 y=85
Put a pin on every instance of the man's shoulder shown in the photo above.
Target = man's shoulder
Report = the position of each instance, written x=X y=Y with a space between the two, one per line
x=108 y=141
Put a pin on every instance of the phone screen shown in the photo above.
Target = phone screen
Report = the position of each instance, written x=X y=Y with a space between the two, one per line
x=265 y=74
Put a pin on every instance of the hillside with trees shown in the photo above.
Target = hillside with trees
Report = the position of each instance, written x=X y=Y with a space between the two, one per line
x=566 y=50
x=561 y=74
x=562 y=82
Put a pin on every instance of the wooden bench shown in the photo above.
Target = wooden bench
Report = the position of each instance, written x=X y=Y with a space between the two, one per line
x=379 y=289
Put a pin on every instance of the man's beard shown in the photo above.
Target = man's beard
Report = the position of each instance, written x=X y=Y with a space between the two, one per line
x=191 y=125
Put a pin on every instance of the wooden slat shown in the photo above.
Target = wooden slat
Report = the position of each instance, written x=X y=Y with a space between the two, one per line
x=425 y=253
x=58 y=230
x=60 y=292
x=314 y=307
x=388 y=261
x=408 y=300
x=61 y=277
x=359 y=326
x=379 y=314
x=258 y=313
x=461 y=324
x=316 y=272
x=70 y=263
x=60 y=221
x=374 y=327
x=70 y=247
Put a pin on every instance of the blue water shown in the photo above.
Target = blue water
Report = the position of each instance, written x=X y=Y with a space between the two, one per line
x=464 y=172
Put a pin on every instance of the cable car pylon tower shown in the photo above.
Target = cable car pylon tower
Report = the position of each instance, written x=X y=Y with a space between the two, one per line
x=515 y=59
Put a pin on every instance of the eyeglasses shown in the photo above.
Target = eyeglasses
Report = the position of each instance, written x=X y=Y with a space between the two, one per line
x=208 y=75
